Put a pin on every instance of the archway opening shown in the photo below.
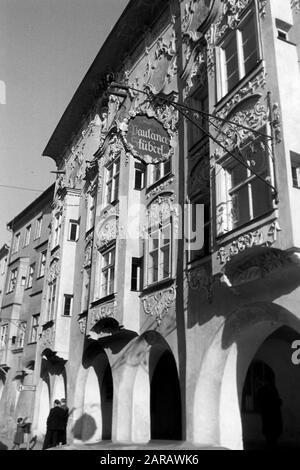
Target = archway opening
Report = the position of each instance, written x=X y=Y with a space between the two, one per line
x=270 y=409
x=165 y=399
x=44 y=408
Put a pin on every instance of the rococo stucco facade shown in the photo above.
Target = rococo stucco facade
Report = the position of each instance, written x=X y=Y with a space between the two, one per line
x=146 y=337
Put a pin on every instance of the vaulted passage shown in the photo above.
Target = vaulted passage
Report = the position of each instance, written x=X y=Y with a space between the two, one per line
x=165 y=401
x=270 y=406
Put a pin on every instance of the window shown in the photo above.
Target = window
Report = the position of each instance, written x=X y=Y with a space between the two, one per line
x=27 y=235
x=159 y=170
x=16 y=243
x=34 y=328
x=68 y=305
x=139 y=176
x=42 y=268
x=112 y=182
x=73 y=231
x=3 y=336
x=200 y=102
x=57 y=228
x=38 y=227
x=239 y=52
x=90 y=212
x=136 y=274
x=159 y=255
x=282 y=29
x=296 y=175
x=21 y=335
x=30 y=275
x=107 y=272
x=249 y=196
x=12 y=280
x=51 y=300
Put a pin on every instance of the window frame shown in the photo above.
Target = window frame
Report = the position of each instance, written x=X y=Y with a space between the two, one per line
x=16 y=243
x=3 y=336
x=113 y=180
x=236 y=33
x=38 y=227
x=73 y=223
x=42 y=264
x=27 y=235
x=162 y=171
x=34 y=328
x=168 y=222
x=68 y=297
x=30 y=276
x=12 y=279
x=110 y=267
x=51 y=300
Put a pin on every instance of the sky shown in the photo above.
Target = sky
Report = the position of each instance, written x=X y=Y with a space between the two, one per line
x=46 y=48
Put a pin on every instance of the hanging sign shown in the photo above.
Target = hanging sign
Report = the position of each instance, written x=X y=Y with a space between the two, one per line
x=148 y=139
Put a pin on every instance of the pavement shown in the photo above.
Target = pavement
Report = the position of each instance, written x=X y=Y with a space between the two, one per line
x=5 y=444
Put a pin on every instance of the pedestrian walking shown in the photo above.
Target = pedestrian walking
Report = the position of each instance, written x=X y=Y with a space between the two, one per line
x=66 y=410
x=19 y=434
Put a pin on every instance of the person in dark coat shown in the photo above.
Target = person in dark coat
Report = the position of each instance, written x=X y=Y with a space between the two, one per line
x=66 y=409
x=269 y=403
x=55 y=426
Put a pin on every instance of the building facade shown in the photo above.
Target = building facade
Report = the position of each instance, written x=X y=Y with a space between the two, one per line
x=148 y=333
x=21 y=309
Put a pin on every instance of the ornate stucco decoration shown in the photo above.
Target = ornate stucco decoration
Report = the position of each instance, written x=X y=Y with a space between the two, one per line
x=103 y=311
x=163 y=208
x=113 y=149
x=195 y=70
x=88 y=250
x=228 y=19
x=158 y=304
x=91 y=170
x=82 y=322
x=249 y=112
x=296 y=5
x=198 y=278
x=160 y=188
x=266 y=236
x=257 y=267
x=251 y=88
x=161 y=65
x=276 y=123
x=107 y=232
x=48 y=335
x=54 y=268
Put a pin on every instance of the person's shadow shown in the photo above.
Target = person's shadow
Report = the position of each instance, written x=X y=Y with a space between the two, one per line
x=3 y=446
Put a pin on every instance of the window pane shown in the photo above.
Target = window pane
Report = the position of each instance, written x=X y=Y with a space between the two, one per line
x=238 y=174
x=167 y=167
x=240 y=206
x=153 y=267
x=231 y=59
x=108 y=192
x=249 y=41
x=111 y=280
x=116 y=189
x=261 y=197
x=165 y=262
x=165 y=235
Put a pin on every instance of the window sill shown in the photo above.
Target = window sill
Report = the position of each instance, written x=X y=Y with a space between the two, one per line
x=243 y=81
x=31 y=343
x=157 y=286
x=103 y=300
x=247 y=226
x=287 y=41
x=158 y=182
x=53 y=250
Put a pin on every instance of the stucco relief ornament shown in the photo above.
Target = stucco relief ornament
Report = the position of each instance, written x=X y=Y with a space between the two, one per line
x=82 y=322
x=48 y=336
x=104 y=311
x=158 y=304
x=198 y=279
x=162 y=66
x=107 y=232
x=53 y=271
x=276 y=123
x=296 y=5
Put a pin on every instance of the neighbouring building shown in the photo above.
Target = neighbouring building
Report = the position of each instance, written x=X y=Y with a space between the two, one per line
x=21 y=309
x=148 y=333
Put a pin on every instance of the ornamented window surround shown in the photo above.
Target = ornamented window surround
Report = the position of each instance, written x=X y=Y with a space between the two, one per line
x=222 y=194
x=222 y=37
